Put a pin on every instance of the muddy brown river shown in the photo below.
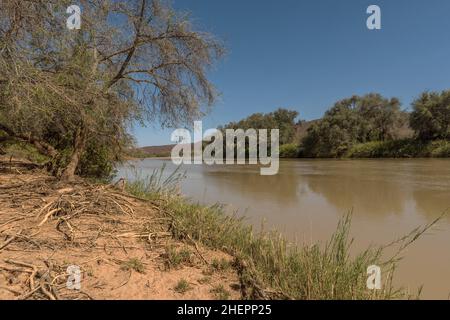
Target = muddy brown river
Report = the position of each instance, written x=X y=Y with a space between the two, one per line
x=306 y=199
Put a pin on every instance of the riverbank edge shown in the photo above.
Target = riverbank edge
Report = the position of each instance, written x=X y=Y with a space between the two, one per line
x=268 y=266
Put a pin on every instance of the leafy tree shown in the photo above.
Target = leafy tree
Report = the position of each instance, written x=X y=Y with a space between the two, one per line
x=282 y=119
x=430 y=118
x=76 y=93
x=353 y=120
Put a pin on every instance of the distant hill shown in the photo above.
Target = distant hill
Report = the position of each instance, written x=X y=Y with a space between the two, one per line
x=154 y=151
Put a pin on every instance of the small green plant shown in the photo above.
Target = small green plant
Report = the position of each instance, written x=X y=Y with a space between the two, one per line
x=133 y=264
x=175 y=258
x=182 y=286
x=220 y=264
x=220 y=292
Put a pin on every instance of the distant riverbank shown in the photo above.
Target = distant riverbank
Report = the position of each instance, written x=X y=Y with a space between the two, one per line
x=402 y=148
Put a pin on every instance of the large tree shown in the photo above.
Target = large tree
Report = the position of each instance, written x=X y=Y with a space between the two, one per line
x=357 y=119
x=430 y=117
x=282 y=119
x=74 y=94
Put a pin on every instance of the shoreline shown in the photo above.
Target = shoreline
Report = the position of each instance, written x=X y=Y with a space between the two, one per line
x=195 y=251
x=393 y=149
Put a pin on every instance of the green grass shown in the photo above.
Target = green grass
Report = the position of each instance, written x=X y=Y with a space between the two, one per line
x=220 y=292
x=174 y=258
x=155 y=184
x=271 y=267
x=220 y=264
x=182 y=286
x=25 y=151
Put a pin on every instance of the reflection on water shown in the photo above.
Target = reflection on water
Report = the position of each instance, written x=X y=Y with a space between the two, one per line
x=306 y=199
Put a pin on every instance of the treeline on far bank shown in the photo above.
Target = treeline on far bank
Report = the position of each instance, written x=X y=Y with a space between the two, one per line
x=369 y=126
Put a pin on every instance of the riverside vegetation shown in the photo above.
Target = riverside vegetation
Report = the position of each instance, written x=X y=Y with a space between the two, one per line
x=368 y=126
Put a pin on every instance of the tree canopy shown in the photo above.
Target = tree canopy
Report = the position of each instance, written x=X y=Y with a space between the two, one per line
x=357 y=119
x=74 y=94
x=430 y=117
x=282 y=119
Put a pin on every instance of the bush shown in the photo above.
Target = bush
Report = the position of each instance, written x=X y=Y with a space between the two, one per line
x=405 y=148
x=289 y=151
x=98 y=162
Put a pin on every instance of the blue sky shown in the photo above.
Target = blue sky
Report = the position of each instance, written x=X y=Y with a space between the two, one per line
x=306 y=54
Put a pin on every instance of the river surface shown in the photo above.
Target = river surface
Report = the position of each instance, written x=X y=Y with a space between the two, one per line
x=388 y=198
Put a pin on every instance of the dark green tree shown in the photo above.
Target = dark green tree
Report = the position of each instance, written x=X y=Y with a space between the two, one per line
x=353 y=120
x=282 y=119
x=430 y=118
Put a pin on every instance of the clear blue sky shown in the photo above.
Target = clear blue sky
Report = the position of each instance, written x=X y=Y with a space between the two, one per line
x=306 y=54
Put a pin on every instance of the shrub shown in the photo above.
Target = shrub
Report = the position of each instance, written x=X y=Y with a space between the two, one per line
x=289 y=151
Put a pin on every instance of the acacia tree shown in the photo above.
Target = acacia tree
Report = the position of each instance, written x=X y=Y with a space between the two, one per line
x=74 y=93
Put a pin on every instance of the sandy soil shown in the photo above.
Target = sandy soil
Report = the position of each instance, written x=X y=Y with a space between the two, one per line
x=119 y=243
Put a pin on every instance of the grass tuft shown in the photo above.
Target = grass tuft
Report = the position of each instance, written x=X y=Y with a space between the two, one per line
x=174 y=257
x=220 y=292
x=182 y=286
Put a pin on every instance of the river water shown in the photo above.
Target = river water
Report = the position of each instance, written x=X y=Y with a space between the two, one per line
x=388 y=198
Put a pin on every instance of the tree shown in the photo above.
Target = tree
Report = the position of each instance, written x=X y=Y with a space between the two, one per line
x=71 y=92
x=357 y=119
x=430 y=118
x=282 y=119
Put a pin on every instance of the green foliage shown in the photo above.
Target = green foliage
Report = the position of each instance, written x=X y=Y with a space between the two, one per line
x=20 y=150
x=352 y=121
x=281 y=119
x=289 y=150
x=98 y=162
x=182 y=286
x=75 y=95
x=430 y=118
x=404 y=148
x=174 y=257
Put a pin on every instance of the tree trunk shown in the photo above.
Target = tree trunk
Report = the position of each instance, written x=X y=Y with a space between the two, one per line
x=68 y=173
